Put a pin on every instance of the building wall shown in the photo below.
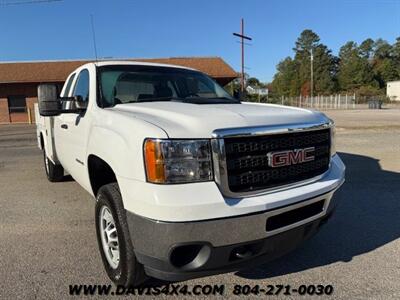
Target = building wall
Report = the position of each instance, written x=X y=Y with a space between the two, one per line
x=29 y=91
x=393 y=90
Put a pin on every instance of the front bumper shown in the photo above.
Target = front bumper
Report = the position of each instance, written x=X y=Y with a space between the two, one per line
x=183 y=250
x=202 y=201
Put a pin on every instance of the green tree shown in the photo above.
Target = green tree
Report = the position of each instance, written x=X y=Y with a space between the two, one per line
x=382 y=49
x=367 y=48
x=385 y=70
x=384 y=63
x=307 y=41
x=286 y=81
x=293 y=76
x=354 y=69
x=325 y=68
x=396 y=50
x=396 y=55
x=254 y=82
x=364 y=69
x=323 y=64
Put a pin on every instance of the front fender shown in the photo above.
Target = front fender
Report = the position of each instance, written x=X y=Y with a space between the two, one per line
x=118 y=140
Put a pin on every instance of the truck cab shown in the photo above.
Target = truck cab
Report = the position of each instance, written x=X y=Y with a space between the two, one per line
x=188 y=180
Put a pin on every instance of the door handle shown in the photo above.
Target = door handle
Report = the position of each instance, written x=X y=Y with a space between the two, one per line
x=64 y=126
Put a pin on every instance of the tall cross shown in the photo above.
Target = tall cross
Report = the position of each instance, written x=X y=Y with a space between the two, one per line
x=242 y=38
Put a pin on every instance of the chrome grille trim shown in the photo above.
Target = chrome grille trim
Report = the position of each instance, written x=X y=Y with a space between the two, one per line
x=219 y=155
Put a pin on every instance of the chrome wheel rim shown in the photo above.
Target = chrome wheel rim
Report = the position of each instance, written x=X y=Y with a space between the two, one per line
x=109 y=237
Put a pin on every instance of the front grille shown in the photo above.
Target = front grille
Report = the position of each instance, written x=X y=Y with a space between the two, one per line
x=247 y=161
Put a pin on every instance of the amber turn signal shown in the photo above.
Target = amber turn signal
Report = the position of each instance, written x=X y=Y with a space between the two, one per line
x=154 y=161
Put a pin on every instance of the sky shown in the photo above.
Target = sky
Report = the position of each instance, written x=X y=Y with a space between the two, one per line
x=172 y=28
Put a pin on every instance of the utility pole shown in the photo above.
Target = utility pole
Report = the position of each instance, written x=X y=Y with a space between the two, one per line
x=242 y=38
x=312 y=74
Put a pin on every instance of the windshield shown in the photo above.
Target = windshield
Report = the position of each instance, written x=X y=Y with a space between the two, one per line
x=120 y=84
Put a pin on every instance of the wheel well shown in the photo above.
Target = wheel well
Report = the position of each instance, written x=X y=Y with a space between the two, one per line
x=100 y=173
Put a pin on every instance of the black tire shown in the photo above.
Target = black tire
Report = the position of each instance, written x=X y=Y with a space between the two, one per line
x=55 y=173
x=129 y=271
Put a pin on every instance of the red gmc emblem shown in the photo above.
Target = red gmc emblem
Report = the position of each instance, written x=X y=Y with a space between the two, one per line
x=290 y=157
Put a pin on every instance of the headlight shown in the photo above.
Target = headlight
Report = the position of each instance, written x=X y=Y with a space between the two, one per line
x=333 y=138
x=177 y=161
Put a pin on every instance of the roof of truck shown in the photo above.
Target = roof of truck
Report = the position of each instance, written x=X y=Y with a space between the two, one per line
x=136 y=63
x=57 y=71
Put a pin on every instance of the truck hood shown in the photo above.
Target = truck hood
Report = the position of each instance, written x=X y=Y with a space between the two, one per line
x=186 y=120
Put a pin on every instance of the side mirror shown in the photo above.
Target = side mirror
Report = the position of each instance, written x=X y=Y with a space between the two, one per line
x=49 y=104
x=239 y=95
x=80 y=103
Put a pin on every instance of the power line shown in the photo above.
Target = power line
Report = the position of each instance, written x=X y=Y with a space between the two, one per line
x=22 y=2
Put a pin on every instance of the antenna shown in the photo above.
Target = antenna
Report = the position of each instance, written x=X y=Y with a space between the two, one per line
x=94 y=38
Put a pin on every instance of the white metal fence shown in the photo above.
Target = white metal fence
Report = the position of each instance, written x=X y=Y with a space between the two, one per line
x=326 y=102
x=337 y=101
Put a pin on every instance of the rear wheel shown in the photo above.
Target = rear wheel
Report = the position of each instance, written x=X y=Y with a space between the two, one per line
x=54 y=172
x=114 y=240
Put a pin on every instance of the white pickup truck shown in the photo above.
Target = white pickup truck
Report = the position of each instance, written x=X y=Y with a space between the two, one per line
x=188 y=180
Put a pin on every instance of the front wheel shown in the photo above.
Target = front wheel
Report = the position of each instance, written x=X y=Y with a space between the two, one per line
x=54 y=172
x=113 y=238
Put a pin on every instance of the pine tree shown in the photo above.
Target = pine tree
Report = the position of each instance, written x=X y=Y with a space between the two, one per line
x=365 y=68
x=297 y=71
x=285 y=81
x=384 y=63
x=354 y=68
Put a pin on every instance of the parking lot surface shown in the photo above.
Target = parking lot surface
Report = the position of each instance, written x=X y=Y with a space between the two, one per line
x=48 y=240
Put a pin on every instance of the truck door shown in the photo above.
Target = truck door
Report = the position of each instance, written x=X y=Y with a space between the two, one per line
x=58 y=131
x=74 y=129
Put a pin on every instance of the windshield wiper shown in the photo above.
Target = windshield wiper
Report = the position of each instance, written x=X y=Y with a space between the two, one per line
x=211 y=100
x=192 y=100
x=232 y=100
x=227 y=98
x=152 y=99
